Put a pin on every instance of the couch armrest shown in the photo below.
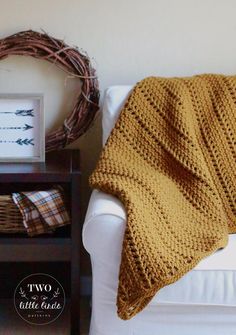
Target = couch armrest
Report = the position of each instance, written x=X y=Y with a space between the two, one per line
x=104 y=226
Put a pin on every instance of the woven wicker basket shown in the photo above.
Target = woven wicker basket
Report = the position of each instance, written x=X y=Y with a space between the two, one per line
x=10 y=217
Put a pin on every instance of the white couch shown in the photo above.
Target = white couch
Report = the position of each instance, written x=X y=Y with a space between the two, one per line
x=203 y=302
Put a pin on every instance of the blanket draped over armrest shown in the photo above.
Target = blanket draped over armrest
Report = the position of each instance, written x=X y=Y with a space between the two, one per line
x=171 y=160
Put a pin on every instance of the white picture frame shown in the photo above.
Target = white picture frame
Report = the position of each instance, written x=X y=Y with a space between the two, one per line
x=22 y=128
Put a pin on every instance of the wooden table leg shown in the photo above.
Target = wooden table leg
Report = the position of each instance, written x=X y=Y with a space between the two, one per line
x=75 y=255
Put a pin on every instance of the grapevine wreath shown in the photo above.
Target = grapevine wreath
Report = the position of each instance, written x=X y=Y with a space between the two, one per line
x=73 y=62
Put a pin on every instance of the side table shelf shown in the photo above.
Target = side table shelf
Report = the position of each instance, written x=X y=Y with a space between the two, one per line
x=38 y=249
x=61 y=167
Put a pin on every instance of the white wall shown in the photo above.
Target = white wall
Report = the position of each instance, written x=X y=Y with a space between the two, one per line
x=128 y=39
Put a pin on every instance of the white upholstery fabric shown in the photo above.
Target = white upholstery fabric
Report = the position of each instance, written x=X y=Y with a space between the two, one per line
x=202 y=302
x=114 y=99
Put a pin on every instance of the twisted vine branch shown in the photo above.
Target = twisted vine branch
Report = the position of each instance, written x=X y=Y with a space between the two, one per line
x=73 y=62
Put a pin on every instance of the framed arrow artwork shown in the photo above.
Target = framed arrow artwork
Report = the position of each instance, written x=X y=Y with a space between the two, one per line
x=22 y=129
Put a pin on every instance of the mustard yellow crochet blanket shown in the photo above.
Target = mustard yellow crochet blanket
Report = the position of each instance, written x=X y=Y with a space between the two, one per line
x=171 y=160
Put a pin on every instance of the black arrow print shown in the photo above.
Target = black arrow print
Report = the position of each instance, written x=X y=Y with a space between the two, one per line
x=20 y=141
x=21 y=112
x=25 y=127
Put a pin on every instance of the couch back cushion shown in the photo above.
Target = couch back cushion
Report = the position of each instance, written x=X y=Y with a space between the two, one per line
x=114 y=99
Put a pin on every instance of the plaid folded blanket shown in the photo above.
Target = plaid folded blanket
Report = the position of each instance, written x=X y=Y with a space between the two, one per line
x=42 y=211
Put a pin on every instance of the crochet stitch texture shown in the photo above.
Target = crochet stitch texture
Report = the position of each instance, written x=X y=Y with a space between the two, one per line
x=171 y=160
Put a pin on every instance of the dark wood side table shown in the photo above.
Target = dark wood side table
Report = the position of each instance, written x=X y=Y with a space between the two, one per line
x=61 y=167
